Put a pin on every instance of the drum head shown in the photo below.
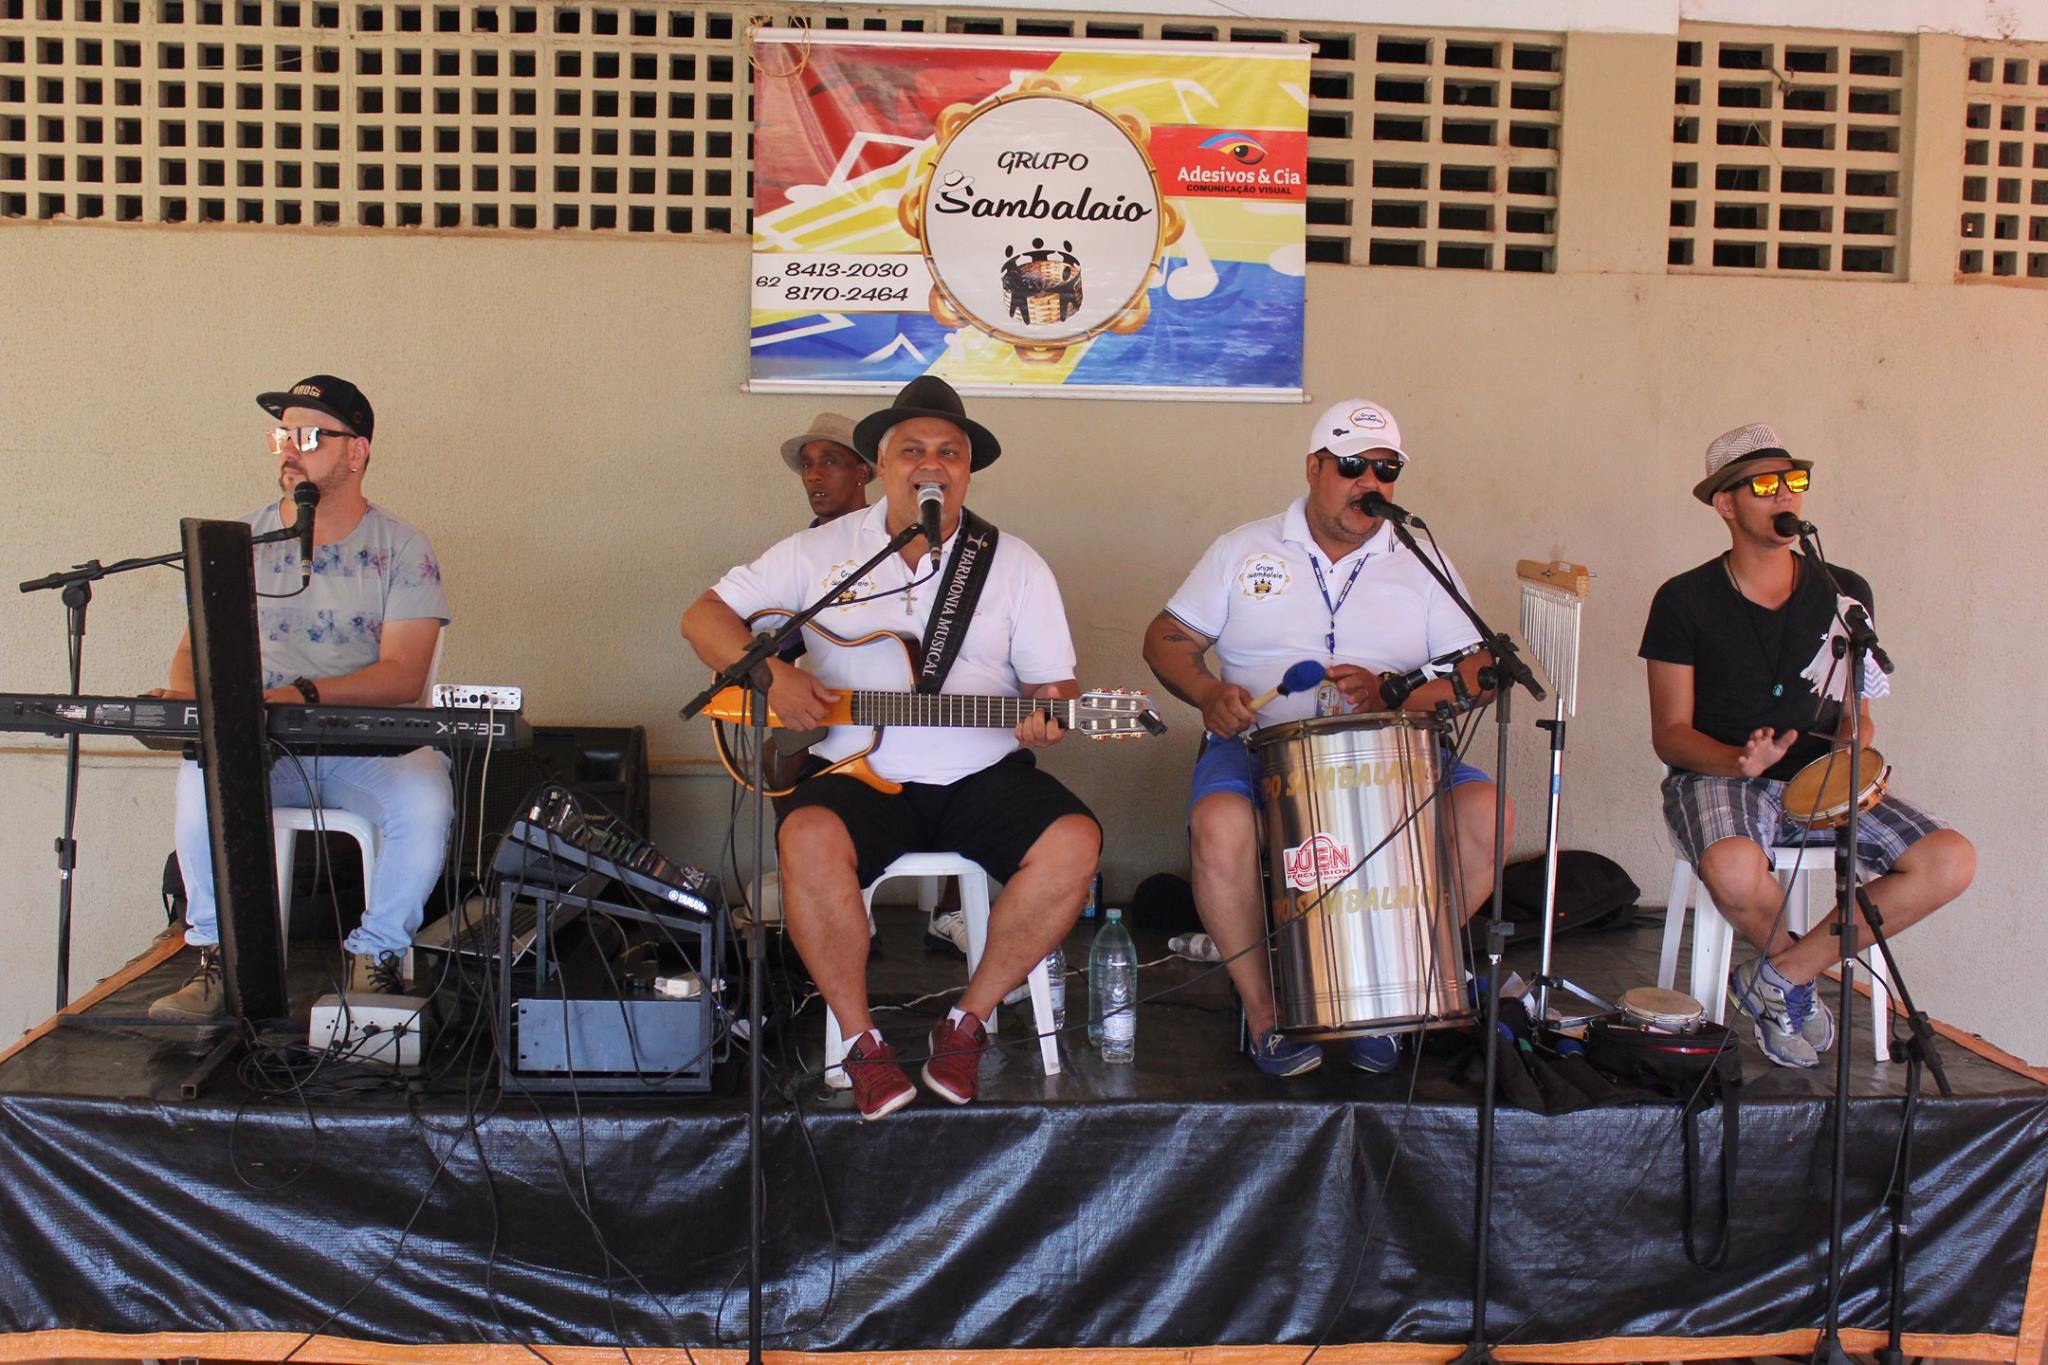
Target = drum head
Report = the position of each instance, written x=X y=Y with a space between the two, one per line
x=1818 y=793
x=1671 y=1010
x=1337 y=725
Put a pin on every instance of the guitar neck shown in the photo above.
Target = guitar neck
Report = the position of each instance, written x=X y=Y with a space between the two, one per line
x=941 y=708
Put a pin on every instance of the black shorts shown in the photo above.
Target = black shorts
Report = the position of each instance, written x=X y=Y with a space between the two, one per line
x=993 y=816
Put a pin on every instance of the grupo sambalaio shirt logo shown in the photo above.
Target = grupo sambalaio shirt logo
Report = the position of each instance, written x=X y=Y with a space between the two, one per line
x=1041 y=218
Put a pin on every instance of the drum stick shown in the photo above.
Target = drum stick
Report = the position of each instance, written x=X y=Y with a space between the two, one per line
x=1298 y=678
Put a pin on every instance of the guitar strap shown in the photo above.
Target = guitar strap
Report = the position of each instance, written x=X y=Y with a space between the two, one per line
x=974 y=549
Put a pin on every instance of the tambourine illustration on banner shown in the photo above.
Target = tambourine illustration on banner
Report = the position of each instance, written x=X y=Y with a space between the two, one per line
x=1041 y=218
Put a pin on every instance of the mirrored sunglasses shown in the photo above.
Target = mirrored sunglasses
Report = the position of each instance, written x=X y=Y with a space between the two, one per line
x=1766 y=485
x=305 y=440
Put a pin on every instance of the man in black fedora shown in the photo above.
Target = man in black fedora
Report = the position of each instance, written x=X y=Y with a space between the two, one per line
x=992 y=624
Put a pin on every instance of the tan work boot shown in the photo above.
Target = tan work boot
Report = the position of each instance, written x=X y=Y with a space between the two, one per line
x=201 y=1000
x=376 y=974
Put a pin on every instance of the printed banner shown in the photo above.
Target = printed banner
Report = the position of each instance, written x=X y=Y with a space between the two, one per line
x=1022 y=216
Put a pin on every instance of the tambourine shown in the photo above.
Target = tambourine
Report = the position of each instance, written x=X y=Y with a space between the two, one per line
x=1666 y=1011
x=1818 y=794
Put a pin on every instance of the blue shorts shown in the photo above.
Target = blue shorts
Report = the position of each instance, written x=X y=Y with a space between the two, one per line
x=1227 y=765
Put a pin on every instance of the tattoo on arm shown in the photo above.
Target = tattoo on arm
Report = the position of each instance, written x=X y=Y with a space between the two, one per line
x=1178 y=638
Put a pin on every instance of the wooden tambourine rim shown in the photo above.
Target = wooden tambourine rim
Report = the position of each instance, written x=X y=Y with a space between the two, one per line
x=1805 y=809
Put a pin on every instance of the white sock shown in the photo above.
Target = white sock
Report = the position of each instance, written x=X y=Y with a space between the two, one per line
x=870 y=1040
x=955 y=1015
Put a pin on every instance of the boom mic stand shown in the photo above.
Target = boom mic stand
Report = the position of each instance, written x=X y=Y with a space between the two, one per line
x=1509 y=671
x=750 y=670
x=75 y=587
x=1859 y=643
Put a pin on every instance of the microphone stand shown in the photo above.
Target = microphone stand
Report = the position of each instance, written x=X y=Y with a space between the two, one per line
x=1509 y=671
x=1858 y=643
x=74 y=586
x=751 y=671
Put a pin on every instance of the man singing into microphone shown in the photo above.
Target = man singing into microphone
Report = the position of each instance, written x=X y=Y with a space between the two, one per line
x=1327 y=581
x=357 y=624
x=1745 y=690
x=992 y=623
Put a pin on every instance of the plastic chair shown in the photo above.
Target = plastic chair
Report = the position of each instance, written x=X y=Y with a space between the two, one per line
x=287 y=822
x=1713 y=937
x=974 y=905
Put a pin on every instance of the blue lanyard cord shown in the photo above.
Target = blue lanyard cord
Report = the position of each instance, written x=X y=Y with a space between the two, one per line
x=1323 y=587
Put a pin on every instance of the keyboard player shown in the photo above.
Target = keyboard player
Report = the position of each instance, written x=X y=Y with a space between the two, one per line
x=360 y=628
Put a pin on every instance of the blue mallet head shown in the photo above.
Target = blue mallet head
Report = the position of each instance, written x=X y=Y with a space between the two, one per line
x=1300 y=677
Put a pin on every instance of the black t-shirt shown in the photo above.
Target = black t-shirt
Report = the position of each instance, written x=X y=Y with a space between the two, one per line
x=1754 y=668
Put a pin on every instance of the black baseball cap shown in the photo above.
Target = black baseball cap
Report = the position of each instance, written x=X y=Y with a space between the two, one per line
x=325 y=393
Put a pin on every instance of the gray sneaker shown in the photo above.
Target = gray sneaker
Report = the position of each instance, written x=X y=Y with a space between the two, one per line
x=1780 y=1022
x=201 y=1000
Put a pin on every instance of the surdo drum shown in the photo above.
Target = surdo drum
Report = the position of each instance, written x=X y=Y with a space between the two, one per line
x=1379 y=949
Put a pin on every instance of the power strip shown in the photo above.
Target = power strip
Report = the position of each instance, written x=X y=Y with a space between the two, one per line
x=478 y=697
x=391 y=1029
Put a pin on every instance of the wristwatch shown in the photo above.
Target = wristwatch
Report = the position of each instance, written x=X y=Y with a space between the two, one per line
x=307 y=689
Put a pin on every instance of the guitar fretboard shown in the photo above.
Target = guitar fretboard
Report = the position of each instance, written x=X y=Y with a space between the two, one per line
x=980 y=713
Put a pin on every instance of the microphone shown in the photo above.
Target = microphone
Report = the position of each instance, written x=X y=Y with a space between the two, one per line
x=1396 y=687
x=1298 y=678
x=1373 y=505
x=307 y=495
x=1785 y=524
x=931 y=501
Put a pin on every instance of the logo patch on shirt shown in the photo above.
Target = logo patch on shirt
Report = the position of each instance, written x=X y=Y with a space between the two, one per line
x=1263 y=575
x=847 y=591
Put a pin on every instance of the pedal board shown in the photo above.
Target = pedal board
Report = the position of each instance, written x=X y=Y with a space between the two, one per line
x=391 y=1029
x=478 y=696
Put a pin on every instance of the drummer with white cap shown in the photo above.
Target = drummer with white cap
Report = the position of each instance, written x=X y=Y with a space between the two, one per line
x=1745 y=690
x=1325 y=581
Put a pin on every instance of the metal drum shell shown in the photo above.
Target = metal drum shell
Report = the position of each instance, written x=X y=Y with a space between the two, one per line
x=1385 y=952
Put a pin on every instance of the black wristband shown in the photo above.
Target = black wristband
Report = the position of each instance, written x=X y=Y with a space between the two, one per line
x=307 y=689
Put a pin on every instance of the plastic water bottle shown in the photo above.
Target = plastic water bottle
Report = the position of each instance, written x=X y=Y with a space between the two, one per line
x=1056 y=977
x=1113 y=990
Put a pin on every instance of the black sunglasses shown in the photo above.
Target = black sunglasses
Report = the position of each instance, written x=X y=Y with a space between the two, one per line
x=1351 y=466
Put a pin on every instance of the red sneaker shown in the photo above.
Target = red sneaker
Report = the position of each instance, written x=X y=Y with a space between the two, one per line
x=954 y=1070
x=879 y=1086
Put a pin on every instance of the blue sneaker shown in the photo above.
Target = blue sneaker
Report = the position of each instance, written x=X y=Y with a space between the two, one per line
x=1772 y=1011
x=1810 y=1014
x=1378 y=1053
x=1279 y=1056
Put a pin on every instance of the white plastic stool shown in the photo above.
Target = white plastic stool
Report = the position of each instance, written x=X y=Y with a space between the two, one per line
x=286 y=822
x=930 y=867
x=1713 y=937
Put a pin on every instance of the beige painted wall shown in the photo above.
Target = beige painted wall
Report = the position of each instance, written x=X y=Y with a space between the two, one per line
x=564 y=417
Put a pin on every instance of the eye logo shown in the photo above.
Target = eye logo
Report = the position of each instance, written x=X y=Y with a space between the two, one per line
x=1242 y=148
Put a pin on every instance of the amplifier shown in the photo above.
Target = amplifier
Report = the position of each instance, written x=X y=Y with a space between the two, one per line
x=660 y=1039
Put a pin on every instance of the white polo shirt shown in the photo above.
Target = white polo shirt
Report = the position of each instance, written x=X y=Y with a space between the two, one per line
x=1256 y=595
x=1018 y=635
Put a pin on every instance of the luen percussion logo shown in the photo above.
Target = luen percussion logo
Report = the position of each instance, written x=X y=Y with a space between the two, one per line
x=1317 y=863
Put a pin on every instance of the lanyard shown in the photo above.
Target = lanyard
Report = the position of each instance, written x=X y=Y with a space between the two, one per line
x=1323 y=587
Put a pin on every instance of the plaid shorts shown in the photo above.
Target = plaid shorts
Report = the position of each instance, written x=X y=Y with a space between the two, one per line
x=1703 y=810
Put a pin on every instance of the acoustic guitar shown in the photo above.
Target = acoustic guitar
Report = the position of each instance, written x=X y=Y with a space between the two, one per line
x=1104 y=714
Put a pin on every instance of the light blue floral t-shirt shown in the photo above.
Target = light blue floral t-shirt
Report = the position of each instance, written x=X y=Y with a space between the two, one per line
x=383 y=571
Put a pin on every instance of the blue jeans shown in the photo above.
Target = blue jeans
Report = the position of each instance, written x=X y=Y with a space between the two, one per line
x=408 y=797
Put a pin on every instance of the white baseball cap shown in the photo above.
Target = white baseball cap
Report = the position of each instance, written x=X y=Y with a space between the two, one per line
x=1354 y=426
x=1731 y=449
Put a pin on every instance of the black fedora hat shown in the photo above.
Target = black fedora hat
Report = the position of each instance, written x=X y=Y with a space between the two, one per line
x=927 y=396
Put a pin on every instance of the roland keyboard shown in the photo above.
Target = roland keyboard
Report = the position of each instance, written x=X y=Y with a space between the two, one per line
x=159 y=723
